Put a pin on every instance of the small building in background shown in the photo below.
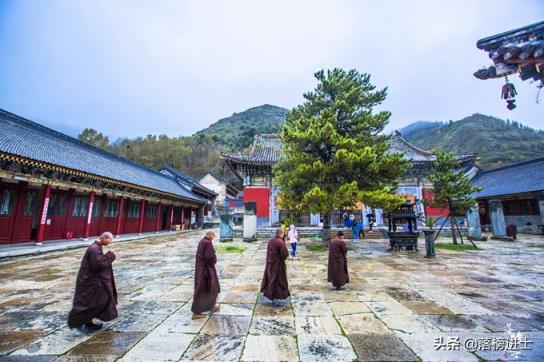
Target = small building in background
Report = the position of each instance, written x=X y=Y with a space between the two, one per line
x=194 y=186
x=224 y=189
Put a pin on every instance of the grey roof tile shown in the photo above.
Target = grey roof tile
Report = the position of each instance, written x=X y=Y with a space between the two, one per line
x=527 y=176
x=22 y=137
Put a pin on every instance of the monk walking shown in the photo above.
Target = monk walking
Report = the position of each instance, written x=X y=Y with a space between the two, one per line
x=274 y=285
x=95 y=296
x=206 y=281
x=338 y=263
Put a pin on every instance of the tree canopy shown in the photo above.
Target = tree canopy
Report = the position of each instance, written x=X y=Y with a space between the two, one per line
x=451 y=187
x=334 y=151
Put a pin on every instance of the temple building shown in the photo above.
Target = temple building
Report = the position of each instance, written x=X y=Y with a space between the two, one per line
x=224 y=189
x=255 y=170
x=519 y=201
x=53 y=186
x=193 y=186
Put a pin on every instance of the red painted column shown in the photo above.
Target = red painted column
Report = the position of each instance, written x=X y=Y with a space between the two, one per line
x=89 y=216
x=158 y=222
x=43 y=215
x=118 y=222
x=141 y=222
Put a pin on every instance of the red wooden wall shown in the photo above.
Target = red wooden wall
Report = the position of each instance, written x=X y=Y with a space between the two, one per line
x=260 y=195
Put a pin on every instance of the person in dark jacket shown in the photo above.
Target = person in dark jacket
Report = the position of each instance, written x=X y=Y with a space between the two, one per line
x=95 y=295
x=338 y=263
x=206 y=280
x=274 y=285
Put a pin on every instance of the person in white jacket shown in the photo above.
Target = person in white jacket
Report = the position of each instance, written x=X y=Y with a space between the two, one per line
x=293 y=239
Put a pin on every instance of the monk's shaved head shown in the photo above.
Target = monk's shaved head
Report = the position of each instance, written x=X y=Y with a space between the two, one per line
x=105 y=238
x=210 y=234
x=279 y=232
x=106 y=235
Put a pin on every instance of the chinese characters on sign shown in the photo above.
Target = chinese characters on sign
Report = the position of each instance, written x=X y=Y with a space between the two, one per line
x=512 y=344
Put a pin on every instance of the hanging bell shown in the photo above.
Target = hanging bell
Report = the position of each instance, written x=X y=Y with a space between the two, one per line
x=510 y=104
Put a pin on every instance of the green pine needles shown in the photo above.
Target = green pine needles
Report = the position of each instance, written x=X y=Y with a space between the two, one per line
x=334 y=151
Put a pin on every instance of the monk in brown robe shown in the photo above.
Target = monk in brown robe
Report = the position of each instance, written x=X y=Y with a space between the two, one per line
x=96 y=295
x=338 y=263
x=274 y=285
x=206 y=281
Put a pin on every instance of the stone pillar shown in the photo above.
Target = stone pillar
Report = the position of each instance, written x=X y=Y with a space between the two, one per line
x=496 y=214
x=182 y=222
x=89 y=216
x=119 y=221
x=142 y=215
x=226 y=227
x=250 y=221
x=473 y=217
x=43 y=215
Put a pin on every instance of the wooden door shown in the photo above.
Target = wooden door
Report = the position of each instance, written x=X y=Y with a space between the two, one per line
x=56 y=215
x=26 y=215
x=8 y=200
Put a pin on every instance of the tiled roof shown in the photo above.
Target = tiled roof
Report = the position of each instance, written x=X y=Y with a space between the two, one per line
x=516 y=178
x=187 y=181
x=516 y=51
x=266 y=150
x=30 y=140
x=415 y=154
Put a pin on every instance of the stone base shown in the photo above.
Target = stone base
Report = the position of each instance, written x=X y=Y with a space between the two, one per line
x=503 y=238
x=477 y=238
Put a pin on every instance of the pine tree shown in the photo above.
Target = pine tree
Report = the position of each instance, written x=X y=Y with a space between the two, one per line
x=335 y=154
x=95 y=138
x=451 y=187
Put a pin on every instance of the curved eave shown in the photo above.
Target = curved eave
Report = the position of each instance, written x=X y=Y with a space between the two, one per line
x=75 y=172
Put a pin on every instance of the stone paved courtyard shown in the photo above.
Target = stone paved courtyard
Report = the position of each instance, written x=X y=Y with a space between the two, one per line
x=395 y=308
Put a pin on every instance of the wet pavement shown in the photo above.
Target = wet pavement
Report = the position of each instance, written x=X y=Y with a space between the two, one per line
x=400 y=306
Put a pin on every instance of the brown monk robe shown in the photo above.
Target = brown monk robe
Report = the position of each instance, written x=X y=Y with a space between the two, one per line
x=206 y=281
x=338 y=263
x=95 y=296
x=274 y=285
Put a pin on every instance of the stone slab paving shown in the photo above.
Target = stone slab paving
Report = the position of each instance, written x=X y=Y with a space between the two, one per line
x=399 y=306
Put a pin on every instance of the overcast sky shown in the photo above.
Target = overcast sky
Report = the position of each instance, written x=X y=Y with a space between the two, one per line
x=130 y=68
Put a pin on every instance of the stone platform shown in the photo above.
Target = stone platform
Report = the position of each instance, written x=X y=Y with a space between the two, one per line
x=398 y=306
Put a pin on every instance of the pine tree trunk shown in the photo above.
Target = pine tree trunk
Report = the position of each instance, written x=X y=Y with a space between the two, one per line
x=327 y=224
x=453 y=231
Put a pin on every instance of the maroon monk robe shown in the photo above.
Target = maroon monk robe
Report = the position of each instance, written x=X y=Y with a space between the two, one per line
x=338 y=263
x=96 y=295
x=274 y=285
x=206 y=281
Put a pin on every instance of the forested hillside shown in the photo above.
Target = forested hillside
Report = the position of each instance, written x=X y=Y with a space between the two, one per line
x=236 y=132
x=496 y=141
